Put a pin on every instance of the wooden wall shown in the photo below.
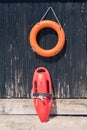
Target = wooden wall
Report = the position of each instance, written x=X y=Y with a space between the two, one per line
x=17 y=60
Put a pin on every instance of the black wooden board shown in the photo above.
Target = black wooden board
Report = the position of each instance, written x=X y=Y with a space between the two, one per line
x=18 y=62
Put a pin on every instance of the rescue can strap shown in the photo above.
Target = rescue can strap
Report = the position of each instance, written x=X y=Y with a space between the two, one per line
x=43 y=95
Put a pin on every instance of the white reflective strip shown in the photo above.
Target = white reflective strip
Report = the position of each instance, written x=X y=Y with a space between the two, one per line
x=40 y=97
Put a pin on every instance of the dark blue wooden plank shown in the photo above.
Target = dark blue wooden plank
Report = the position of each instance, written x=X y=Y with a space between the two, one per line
x=43 y=1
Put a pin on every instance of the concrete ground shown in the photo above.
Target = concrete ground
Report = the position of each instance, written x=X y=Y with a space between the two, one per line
x=31 y=122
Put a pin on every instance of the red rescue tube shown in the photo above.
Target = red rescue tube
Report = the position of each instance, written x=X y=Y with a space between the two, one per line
x=47 y=24
x=42 y=93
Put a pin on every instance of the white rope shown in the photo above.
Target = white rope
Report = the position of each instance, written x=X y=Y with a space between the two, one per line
x=50 y=8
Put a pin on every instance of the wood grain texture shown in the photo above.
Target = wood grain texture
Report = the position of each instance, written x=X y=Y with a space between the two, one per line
x=25 y=122
x=59 y=106
x=18 y=62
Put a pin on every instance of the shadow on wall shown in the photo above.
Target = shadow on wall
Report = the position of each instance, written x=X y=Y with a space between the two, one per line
x=55 y=58
x=47 y=39
x=53 y=110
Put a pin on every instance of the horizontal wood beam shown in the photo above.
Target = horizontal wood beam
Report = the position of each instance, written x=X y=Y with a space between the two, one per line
x=59 y=106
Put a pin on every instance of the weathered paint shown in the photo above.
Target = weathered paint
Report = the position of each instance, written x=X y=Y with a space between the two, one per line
x=17 y=60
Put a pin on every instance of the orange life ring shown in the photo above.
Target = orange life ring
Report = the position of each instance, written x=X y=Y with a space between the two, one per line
x=47 y=24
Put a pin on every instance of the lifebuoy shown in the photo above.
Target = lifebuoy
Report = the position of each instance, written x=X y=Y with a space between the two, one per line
x=47 y=24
